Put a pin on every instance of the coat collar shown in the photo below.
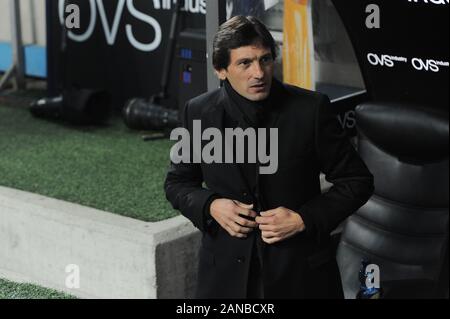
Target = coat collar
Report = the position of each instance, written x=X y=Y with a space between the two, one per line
x=214 y=115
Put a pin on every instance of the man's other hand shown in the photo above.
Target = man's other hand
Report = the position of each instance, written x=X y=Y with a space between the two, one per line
x=279 y=224
x=229 y=214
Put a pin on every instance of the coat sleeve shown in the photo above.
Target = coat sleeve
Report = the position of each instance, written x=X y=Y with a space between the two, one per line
x=183 y=188
x=342 y=166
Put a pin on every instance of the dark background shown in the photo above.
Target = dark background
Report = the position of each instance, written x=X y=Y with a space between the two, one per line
x=409 y=30
x=121 y=69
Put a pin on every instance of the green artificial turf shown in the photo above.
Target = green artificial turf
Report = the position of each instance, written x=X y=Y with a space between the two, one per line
x=109 y=168
x=12 y=290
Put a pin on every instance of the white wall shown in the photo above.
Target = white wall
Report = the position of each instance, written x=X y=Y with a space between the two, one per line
x=33 y=21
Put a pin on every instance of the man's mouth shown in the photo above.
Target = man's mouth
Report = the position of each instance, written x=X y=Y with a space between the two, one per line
x=258 y=86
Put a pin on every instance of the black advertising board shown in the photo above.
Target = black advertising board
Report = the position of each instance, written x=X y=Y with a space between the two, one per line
x=402 y=47
x=120 y=46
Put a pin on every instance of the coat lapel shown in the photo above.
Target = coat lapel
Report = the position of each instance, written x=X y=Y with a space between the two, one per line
x=214 y=117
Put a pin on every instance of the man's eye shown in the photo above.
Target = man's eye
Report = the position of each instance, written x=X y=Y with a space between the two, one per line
x=266 y=59
x=245 y=63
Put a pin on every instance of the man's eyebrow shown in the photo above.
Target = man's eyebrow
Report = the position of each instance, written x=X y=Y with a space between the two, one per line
x=239 y=61
x=243 y=60
x=268 y=55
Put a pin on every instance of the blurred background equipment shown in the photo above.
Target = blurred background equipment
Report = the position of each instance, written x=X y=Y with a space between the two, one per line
x=75 y=106
x=142 y=114
x=191 y=58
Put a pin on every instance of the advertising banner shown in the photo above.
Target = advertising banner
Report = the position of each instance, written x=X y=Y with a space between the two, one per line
x=402 y=47
x=120 y=46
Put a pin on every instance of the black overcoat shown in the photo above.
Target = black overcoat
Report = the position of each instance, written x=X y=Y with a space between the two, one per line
x=311 y=141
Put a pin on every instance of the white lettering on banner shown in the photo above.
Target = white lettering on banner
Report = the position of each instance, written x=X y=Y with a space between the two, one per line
x=430 y=1
x=428 y=65
x=384 y=59
x=110 y=34
x=196 y=6
x=151 y=21
x=420 y=64
x=192 y=6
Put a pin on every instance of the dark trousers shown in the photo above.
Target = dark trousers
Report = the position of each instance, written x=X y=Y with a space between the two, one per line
x=255 y=288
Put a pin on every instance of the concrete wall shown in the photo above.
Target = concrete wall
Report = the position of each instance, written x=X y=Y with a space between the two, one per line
x=33 y=21
x=117 y=257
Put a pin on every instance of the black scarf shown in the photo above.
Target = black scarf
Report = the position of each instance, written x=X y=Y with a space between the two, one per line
x=248 y=113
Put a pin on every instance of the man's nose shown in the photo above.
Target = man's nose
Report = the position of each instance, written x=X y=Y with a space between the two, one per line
x=258 y=71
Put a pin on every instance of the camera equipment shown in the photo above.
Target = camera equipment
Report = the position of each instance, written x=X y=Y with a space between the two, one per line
x=145 y=114
x=76 y=106
x=141 y=114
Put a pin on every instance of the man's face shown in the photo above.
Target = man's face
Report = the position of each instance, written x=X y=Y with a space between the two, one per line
x=250 y=71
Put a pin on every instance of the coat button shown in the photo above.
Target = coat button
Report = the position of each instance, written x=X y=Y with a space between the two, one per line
x=245 y=194
x=241 y=260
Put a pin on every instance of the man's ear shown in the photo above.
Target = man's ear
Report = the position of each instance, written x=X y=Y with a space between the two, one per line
x=221 y=74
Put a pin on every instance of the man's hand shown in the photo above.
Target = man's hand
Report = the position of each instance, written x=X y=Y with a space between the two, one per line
x=279 y=224
x=227 y=213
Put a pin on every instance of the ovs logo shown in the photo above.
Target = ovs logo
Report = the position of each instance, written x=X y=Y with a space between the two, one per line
x=383 y=60
x=111 y=30
x=425 y=65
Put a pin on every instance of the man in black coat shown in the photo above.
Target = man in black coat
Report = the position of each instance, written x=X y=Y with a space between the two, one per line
x=266 y=233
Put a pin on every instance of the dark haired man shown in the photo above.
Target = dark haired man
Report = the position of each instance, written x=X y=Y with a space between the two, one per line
x=267 y=235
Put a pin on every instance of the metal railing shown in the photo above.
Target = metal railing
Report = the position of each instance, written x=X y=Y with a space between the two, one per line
x=16 y=72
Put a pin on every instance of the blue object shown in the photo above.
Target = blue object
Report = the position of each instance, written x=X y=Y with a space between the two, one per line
x=187 y=77
x=35 y=59
x=5 y=56
x=186 y=54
